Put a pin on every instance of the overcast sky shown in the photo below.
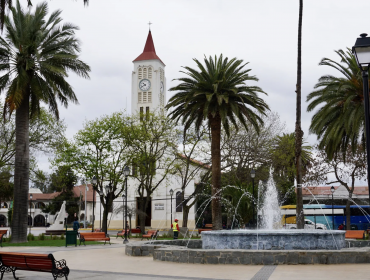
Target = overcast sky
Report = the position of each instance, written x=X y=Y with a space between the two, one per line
x=263 y=33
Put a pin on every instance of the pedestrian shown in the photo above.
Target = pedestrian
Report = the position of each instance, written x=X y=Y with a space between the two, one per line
x=341 y=227
x=76 y=225
x=127 y=228
x=175 y=229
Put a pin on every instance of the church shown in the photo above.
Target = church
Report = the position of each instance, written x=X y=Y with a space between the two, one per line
x=148 y=94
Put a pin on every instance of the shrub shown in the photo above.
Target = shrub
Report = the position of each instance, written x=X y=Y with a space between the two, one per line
x=30 y=237
x=42 y=236
x=55 y=237
x=62 y=237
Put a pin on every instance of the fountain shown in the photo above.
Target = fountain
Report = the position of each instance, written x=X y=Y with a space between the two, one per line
x=58 y=227
x=271 y=236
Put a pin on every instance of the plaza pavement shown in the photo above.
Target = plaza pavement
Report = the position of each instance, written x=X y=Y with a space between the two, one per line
x=110 y=262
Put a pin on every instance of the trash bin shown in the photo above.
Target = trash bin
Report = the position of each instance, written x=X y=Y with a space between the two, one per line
x=71 y=237
x=354 y=227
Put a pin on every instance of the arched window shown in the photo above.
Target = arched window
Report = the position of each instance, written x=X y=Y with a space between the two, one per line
x=4 y=205
x=178 y=202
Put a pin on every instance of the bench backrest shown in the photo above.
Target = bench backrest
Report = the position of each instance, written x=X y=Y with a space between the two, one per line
x=3 y=231
x=152 y=232
x=24 y=261
x=354 y=234
x=208 y=225
x=93 y=234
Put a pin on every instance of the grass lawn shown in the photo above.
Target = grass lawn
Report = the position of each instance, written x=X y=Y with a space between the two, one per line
x=47 y=242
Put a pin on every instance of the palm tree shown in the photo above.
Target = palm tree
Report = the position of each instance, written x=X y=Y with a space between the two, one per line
x=35 y=55
x=218 y=93
x=339 y=121
x=7 y=4
x=298 y=127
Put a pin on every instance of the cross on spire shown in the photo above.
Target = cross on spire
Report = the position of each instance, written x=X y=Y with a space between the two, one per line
x=149 y=25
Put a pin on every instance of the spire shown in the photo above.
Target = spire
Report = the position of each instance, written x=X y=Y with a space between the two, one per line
x=149 y=50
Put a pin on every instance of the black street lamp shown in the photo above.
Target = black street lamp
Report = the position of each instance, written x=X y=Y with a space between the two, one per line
x=93 y=181
x=171 y=194
x=332 y=189
x=30 y=212
x=253 y=174
x=123 y=211
x=101 y=193
x=361 y=51
x=126 y=172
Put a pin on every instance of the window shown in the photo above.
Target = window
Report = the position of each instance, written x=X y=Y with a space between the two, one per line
x=149 y=97
x=147 y=113
x=145 y=99
x=140 y=97
x=145 y=73
x=141 y=113
x=140 y=75
x=150 y=73
x=178 y=202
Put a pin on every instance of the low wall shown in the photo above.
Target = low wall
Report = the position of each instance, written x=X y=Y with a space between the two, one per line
x=249 y=257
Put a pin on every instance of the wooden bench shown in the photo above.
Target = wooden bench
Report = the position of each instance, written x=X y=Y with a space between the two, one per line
x=207 y=227
x=135 y=230
x=122 y=233
x=354 y=234
x=10 y=262
x=93 y=236
x=4 y=231
x=152 y=234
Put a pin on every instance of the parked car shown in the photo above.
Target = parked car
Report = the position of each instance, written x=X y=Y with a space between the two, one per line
x=308 y=224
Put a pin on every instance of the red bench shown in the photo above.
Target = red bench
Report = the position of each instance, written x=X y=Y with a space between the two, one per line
x=355 y=234
x=123 y=233
x=10 y=262
x=94 y=236
x=208 y=227
x=152 y=234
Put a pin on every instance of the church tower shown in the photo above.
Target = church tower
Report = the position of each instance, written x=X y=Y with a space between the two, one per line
x=148 y=89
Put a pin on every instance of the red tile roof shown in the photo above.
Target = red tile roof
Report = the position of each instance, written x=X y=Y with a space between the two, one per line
x=76 y=190
x=149 y=50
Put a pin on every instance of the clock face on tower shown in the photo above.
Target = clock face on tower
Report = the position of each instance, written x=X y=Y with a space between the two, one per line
x=162 y=87
x=144 y=84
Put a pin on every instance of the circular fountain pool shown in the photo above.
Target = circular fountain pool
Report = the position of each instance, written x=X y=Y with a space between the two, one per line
x=293 y=239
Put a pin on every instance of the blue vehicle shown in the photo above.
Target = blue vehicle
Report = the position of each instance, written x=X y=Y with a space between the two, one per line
x=322 y=213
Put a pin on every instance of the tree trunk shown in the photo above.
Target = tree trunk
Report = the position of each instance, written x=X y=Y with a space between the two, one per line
x=185 y=215
x=106 y=209
x=216 y=172
x=348 y=212
x=21 y=173
x=298 y=129
x=142 y=214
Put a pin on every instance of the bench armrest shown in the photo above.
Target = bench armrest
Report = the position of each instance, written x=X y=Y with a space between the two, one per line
x=107 y=235
x=61 y=263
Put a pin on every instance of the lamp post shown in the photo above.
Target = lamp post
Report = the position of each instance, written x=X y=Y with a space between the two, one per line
x=361 y=51
x=101 y=193
x=126 y=172
x=86 y=189
x=93 y=181
x=123 y=211
x=253 y=174
x=30 y=212
x=171 y=194
x=332 y=189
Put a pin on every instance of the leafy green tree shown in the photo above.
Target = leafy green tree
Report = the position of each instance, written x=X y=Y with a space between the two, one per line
x=152 y=144
x=284 y=164
x=35 y=55
x=218 y=94
x=339 y=120
x=100 y=149
x=7 y=4
x=63 y=181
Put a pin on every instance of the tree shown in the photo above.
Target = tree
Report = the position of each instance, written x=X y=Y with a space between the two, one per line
x=192 y=165
x=63 y=181
x=100 y=149
x=152 y=143
x=7 y=4
x=346 y=168
x=339 y=121
x=45 y=134
x=298 y=128
x=218 y=93
x=284 y=165
x=35 y=54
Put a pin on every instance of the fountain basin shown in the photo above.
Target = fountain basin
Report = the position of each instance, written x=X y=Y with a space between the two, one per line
x=292 y=239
